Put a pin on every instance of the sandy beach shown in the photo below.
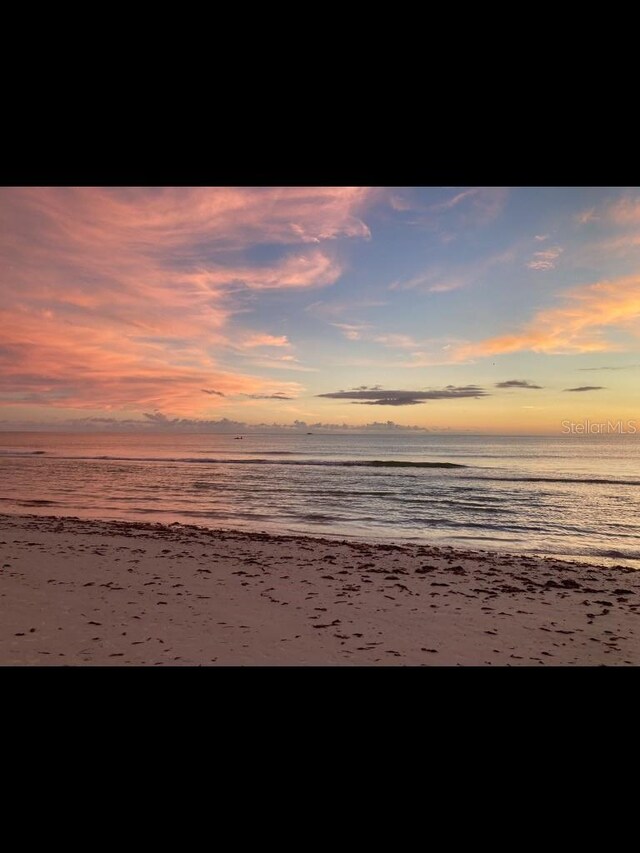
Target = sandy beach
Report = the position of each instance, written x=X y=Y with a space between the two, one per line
x=78 y=592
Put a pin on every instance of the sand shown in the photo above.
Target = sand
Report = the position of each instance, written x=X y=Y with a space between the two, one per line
x=77 y=592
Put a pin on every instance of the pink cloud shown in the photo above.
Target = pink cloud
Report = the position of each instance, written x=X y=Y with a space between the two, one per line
x=174 y=216
x=42 y=362
x=626 y=211
x=545 y=260
x=310 y=269
x=263 y=340
x=121 y=297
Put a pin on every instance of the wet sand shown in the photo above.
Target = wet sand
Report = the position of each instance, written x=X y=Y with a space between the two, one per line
x=76 y=592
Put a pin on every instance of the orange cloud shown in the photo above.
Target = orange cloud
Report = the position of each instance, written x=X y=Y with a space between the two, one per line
x=577 y=326
x=43 y=362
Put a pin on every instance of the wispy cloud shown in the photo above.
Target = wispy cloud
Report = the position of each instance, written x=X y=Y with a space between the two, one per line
x=586 y=216
x=401 y=202
x=283 y=362
x=331 y=309
x=264 y=340
x=212 y=391
x=622 y=367
x=121 y=297
x=517 y=383
x=455 y=200
x=475 y=206
x=446 y=286
x=619 y=220
x=545 y=260
x=622 y=244
x=625 y=211
x=441 y=279
x=437 y=280
x=425 y=352
x=464 y=208
x=434 y=353
x=396 y=341
x=352 y=331
x=578 y=325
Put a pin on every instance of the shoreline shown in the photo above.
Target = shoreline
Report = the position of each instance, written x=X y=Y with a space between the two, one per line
x=371 y=540
x=372 y=537
x=82 y=592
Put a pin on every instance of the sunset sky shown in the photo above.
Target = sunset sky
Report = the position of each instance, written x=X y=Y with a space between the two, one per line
x=463 y=309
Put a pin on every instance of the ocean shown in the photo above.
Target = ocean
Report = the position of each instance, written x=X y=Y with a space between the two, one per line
x=575 y=497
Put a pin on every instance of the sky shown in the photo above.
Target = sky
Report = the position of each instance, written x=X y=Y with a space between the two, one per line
x=452 y=309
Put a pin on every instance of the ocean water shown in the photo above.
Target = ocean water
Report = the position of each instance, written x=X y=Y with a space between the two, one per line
x=571 y=496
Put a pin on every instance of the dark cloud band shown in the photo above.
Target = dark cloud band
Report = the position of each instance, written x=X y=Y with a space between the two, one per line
x=517 y=383
x=378 y=397
x=587 y=388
